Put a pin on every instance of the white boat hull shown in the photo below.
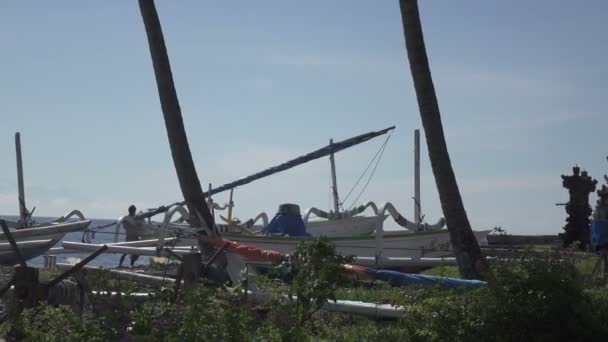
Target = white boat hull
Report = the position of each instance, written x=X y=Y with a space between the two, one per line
x=350 y=226
x=36 y=240
x=406 y=245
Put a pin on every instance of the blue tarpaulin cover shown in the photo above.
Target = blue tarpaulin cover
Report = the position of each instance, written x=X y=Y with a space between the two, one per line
x=599 y=232
x=404 y=279
x=286 y=224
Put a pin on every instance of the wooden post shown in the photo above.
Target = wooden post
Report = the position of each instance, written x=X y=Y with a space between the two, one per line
x=22 y=209
x=26 y=285
x=334 y=182
x=417 y=208
x=191 y=268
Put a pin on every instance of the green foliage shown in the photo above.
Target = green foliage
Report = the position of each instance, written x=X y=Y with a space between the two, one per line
x=540 y=298
x=535 y=298
x=48 y=323
x=443 y=271
x=316 y=273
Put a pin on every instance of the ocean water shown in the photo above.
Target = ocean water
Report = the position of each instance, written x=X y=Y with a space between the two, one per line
x=104 y=235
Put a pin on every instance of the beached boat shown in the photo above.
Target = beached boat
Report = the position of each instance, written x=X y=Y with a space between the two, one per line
x=347 y=223
x=386 y=244
x=336 y=222
x=39 y=237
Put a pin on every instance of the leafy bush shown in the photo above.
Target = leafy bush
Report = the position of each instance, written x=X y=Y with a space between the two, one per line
x=540 y=298
x=316 y=273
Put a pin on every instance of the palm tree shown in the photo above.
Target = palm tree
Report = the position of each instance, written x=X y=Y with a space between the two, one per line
x=463 y=240
x=180 y=150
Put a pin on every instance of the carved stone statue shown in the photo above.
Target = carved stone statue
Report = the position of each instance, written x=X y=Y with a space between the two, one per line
x=579 y=185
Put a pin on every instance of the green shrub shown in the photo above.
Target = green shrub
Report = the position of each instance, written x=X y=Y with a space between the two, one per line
x=540 y=298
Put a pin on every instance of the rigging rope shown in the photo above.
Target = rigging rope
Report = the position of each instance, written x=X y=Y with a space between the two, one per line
x=367 y=168
x=378 y=153
x=381 y=152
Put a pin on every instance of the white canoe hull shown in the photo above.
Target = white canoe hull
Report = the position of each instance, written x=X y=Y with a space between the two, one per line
x=53 y=231
x=406 y=245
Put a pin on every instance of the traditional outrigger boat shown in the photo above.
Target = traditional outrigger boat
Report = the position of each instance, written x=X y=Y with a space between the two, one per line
x=336 y=222
x=352 y=234
x=40 y=237
x=35 y=238
x=432 y=244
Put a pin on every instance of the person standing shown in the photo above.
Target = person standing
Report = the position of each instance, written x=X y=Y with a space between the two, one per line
x=130 y=225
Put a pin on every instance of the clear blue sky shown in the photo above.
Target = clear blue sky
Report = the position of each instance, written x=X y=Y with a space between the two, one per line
x=521 y=86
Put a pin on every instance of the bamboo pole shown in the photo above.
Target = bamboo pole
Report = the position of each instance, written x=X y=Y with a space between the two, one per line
x=79 y=246
x=371 y=310
x=396 y=262
x=121 y=274
x=77 y=267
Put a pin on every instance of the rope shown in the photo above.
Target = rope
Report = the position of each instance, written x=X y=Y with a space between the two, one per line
x=379 y=154
x=367 y=168
x=102 y=226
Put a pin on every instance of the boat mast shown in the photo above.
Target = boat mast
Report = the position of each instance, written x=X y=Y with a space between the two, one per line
x=22 y=209
x=320 y=153
x=334 y=183
x=417 y=209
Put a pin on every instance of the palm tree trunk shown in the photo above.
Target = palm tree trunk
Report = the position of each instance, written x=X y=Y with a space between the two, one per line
x=180 y=150
x=463 y=240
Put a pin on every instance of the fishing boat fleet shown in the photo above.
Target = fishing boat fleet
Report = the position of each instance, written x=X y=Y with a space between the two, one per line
x=358 y=231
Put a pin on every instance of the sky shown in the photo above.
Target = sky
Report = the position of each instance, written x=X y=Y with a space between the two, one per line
x=521 y=87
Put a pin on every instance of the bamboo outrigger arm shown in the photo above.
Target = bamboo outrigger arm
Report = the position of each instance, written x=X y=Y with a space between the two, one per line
x=386 y=208
x=261 y=216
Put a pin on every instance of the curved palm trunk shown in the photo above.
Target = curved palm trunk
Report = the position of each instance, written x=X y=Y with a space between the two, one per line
x=180 y=150
x=464 y=242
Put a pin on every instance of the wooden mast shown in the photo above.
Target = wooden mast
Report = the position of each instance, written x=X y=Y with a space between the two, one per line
x=417 y=205
x=22 y=208
x=334 y=182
